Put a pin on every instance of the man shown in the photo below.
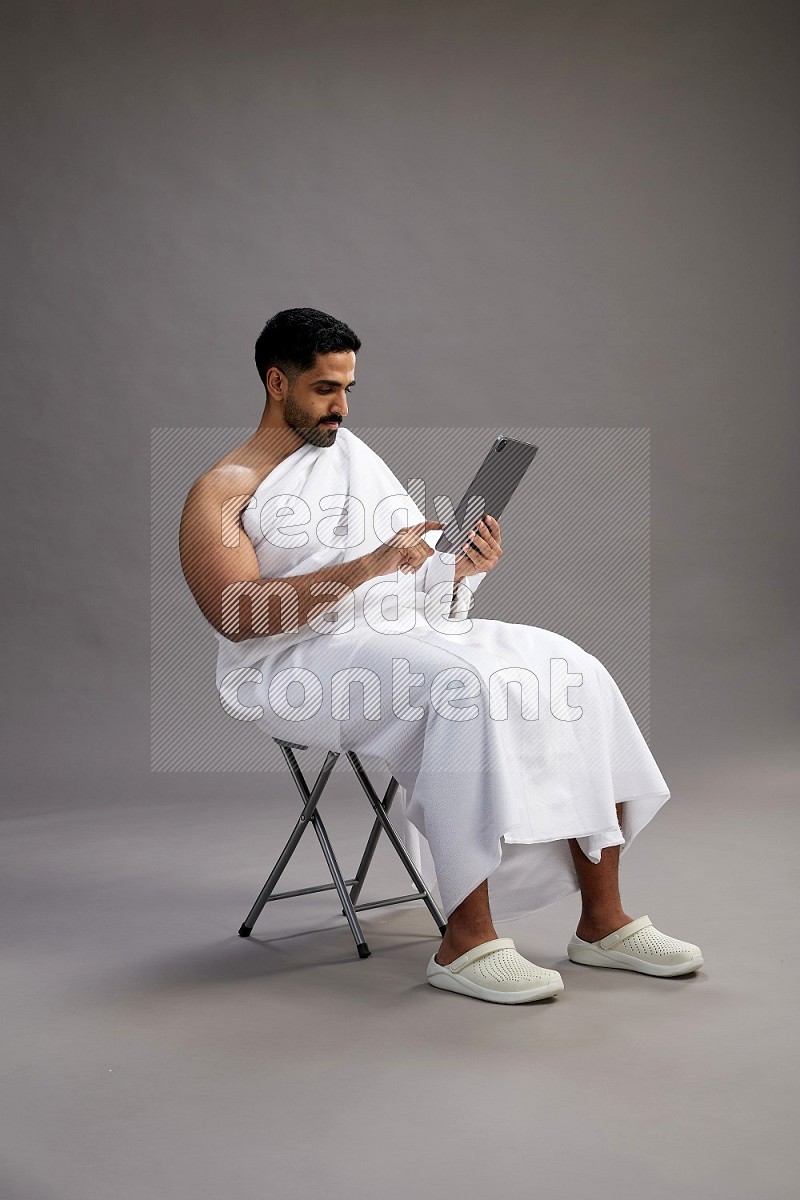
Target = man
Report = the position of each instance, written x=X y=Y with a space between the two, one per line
x=291 y=548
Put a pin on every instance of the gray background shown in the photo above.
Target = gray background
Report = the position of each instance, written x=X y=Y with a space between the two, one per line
x=543 y=214
x=567 y=214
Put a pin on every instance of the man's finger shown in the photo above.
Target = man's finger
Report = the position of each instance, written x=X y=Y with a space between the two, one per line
x=422 y=527
x=411 y=533
x=479 y=540
x=487 y=532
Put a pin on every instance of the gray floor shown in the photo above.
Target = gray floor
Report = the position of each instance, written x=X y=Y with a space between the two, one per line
x=153 y=1053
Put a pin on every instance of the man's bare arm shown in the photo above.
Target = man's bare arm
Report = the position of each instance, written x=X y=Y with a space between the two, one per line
x=222 y=570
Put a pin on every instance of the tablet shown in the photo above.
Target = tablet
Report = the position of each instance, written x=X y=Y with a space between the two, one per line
x=496 y=480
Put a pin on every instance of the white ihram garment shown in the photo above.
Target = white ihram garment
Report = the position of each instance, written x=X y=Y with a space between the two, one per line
x=494 y=789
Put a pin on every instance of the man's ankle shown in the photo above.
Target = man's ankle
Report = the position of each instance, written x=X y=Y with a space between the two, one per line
x=459 y=941
x=592 y=927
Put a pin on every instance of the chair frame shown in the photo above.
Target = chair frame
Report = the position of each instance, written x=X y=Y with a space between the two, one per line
x=309 y=815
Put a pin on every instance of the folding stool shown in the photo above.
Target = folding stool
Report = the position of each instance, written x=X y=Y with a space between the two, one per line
x=309 y=816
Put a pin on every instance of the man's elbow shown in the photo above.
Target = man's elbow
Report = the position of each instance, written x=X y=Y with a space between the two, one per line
x=254 y=609
x=234 y=637
x=237 y=634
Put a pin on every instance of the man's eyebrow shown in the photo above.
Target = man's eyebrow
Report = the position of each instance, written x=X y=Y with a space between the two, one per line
x=332 y=383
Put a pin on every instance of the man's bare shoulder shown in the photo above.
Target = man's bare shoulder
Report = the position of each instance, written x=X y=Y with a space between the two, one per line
x=226 y=479
x=237 y=473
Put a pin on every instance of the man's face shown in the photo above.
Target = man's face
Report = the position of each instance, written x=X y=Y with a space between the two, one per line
x=316 y=401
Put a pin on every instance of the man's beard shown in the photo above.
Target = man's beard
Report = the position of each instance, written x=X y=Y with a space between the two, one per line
x=301 y=422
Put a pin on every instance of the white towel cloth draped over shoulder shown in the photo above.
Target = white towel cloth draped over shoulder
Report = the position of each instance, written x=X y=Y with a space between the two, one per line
x=506 y=739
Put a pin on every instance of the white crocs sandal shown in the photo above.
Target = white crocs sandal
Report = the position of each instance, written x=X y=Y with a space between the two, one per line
x=637 y=946
x=495 y=971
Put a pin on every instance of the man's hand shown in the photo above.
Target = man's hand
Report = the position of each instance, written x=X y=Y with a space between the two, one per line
x=406 y=550
x=482 y=549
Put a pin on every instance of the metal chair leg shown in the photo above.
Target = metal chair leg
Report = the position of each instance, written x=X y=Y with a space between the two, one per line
x=372 y=842
x=389 y=829
x=311 y=799
x=310 y=816
x=336 y=875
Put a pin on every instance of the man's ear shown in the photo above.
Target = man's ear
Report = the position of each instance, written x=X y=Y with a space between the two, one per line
x=276 y=384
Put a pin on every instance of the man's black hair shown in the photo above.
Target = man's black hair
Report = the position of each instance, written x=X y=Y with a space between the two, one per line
x=292 y=339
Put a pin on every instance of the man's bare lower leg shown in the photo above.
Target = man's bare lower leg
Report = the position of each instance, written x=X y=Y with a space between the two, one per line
x=470 y=923
x=602 y=910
